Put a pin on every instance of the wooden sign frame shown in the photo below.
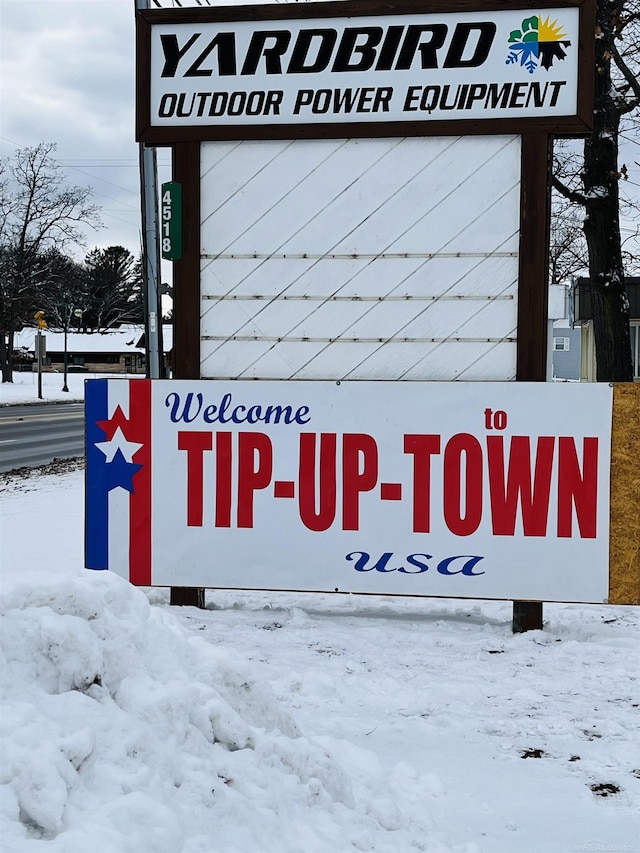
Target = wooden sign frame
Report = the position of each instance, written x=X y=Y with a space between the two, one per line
x=579 y=123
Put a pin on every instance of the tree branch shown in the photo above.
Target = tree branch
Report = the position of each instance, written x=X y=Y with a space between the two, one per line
x=629 y=76
x=572 y=195
x=629 y=107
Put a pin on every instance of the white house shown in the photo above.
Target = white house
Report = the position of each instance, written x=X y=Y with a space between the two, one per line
x=118 y=350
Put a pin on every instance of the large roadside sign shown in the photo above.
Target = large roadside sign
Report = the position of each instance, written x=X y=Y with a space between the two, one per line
x=365 y=68
x=477 y=490
x=360 y=313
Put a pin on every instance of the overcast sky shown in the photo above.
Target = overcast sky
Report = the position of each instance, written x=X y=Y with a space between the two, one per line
x=67 y=76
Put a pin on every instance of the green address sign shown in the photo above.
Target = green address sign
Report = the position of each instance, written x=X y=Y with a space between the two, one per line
x=171 y=223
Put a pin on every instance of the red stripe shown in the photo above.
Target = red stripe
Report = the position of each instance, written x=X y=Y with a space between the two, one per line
x=140 y=501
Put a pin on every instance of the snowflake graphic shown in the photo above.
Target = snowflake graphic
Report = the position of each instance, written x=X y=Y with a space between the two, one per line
x=537 y=42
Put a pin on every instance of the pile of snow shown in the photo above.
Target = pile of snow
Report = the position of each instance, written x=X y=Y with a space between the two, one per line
x=121 y=728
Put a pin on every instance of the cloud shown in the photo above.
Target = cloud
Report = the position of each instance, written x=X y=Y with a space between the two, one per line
x=68 y=76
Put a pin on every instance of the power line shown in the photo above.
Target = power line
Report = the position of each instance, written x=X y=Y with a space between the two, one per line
x=119 y=219
x=93 y=191
x=109 y=165
x=104 y=180
x=65 y=164
x=75 y=168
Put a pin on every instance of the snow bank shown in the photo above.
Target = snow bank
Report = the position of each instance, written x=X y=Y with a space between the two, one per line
x=120 y=727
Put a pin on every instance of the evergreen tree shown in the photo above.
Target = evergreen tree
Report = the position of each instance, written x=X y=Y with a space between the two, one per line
x=114 y=290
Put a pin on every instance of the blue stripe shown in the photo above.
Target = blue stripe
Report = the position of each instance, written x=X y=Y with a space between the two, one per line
x=96 y=535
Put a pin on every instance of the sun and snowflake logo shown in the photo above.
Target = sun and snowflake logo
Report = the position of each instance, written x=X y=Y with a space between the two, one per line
x=538 y=42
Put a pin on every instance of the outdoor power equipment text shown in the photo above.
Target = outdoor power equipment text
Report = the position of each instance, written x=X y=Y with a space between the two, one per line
x=378 y=70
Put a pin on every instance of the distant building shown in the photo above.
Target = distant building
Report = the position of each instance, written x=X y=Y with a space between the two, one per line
x=566 y=353
x=582 y=311
x=117 y=351
x=563 y=342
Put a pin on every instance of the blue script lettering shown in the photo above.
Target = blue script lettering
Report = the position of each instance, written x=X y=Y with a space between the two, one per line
x=186 y=414
x=418 y=561
x=413 y=560
x=224 y=413
x=361 y=562
x=467 y=569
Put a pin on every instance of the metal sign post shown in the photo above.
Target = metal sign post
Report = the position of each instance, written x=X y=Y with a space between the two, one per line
x=40 y=347
x=39 y=357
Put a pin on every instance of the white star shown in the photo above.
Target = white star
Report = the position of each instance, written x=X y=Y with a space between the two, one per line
x=118 y=442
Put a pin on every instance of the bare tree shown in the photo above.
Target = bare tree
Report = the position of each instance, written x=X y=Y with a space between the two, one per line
x=597 y=186
x=4 y=198
x=568 y=254
x=39 y=211
x=567 y=248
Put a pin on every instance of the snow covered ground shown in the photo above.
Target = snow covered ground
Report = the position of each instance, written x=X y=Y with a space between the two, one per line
x=281 y=723
x=24 y=388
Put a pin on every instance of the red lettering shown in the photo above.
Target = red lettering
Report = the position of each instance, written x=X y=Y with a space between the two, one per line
x=500 y=419
x=324 y=517
x=223 y=479
x=357 y=447
x=195 y=444
x=517 y=486
x=255 y=465
x=576 y=487
x=459 y=521
x=422 y=447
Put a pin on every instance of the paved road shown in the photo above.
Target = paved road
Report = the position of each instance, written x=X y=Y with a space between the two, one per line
x=37 y=434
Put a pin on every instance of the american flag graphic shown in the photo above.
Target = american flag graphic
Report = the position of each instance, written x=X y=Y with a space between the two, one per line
x=118 y=477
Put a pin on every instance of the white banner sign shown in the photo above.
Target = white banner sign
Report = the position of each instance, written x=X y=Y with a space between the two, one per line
x=374 y=68
x=478 y=490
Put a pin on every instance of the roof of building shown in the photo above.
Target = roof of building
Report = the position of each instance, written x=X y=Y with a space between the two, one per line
x=583 y=308
x=125 y=339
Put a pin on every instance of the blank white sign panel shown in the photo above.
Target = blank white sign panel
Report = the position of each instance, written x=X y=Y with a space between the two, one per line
x=360 y=258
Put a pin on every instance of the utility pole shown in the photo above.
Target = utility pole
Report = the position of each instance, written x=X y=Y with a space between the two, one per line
x=151 y=253
x=151 y=256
